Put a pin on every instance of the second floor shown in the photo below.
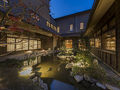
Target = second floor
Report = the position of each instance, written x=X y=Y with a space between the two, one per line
x=75 y=23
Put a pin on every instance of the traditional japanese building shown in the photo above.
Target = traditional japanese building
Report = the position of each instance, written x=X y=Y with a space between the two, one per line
x=103 y=29
x=28 y=26
x=72 y=27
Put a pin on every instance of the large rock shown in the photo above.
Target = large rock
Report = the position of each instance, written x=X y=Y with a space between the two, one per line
x=78 y=78
x=95 y=62
x=101 y=85
x=86 y=77
x=69 y=65
x=110 y=87
x=89 y=79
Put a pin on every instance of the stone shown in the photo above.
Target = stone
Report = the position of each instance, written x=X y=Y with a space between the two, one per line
x=78 y=78
x=44 y=86
x=87 y=78
x=34 y=80
x=58 y=69
x=71 y=73
x=101 y=85
x=110 y=87
x=69 y=65
x=95 y=62
x=92 y=80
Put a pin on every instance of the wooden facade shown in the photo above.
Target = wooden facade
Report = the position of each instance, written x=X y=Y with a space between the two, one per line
x=105 y=37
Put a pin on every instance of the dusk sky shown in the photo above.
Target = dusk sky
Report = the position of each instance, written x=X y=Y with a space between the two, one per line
x=61 y=8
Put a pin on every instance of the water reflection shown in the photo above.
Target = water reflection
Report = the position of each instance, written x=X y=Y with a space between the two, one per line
x=26 y=71
x=48 y=68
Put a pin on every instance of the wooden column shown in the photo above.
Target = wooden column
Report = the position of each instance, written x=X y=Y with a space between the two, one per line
x=117 y=16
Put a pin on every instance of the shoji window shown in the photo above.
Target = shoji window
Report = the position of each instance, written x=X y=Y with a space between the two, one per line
x=35 y=44
x=58 y=29
x=31 y=44
x=39 y=44
x=81 y=25
x=11 y=44
x=71 y=27
x=25 y=44
x=19 y=45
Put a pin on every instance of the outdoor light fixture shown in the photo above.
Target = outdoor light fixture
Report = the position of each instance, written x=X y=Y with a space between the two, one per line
x=26 y=71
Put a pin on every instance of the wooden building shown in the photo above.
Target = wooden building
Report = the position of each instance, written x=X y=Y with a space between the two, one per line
x=27 y=28
x=103 y=29
x=71 y=28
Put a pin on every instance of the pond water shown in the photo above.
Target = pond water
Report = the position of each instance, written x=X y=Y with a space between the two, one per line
x=16 y=75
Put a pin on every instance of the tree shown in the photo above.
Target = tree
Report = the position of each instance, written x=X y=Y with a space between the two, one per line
x=13 y=12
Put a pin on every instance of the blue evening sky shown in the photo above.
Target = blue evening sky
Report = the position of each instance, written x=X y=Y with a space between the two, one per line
x=61 y=8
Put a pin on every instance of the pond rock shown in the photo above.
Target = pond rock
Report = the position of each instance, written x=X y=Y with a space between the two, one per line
x=101 y=85
x=95 y=62
x=87 y=78
x=110 y=87
x=69 y=65
x=78 y=78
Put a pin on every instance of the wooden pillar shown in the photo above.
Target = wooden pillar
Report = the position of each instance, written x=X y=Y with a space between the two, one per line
x=117 y=16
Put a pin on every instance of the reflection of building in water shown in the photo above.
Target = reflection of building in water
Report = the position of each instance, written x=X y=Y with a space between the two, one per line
x=32 y=62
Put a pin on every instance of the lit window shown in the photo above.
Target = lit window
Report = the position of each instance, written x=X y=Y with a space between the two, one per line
x=97 y=43
x=81 y=25
x=58 y=29
x=109 y=40
x=35 y=44
x=31 y=44
x=39 y=44
x=68 y=43
x=52 y=26
x=11 y=45
x=71 y=27
x=47 y=23
x=25 y=44
x=92 y=42
x=19 y=45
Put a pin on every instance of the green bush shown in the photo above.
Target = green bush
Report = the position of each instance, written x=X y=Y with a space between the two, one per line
x=94 y=71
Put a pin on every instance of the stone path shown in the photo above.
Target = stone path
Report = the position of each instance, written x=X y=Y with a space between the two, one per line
x=109 y=71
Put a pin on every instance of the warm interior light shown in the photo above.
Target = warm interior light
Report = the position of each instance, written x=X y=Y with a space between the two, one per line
x=29 y=51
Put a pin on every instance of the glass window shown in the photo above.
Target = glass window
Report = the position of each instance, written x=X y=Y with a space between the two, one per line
x=68 y=43
x=25 y=44
x=71 y=27
x=48 y=24
x=81 y=25
x=35 y=44
x=31 y=44
x=97 y=43
x=92 y=43
x=19 y=45
x=58 y=29
x=39 y=44
x=109 y=40
x=11 y=44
